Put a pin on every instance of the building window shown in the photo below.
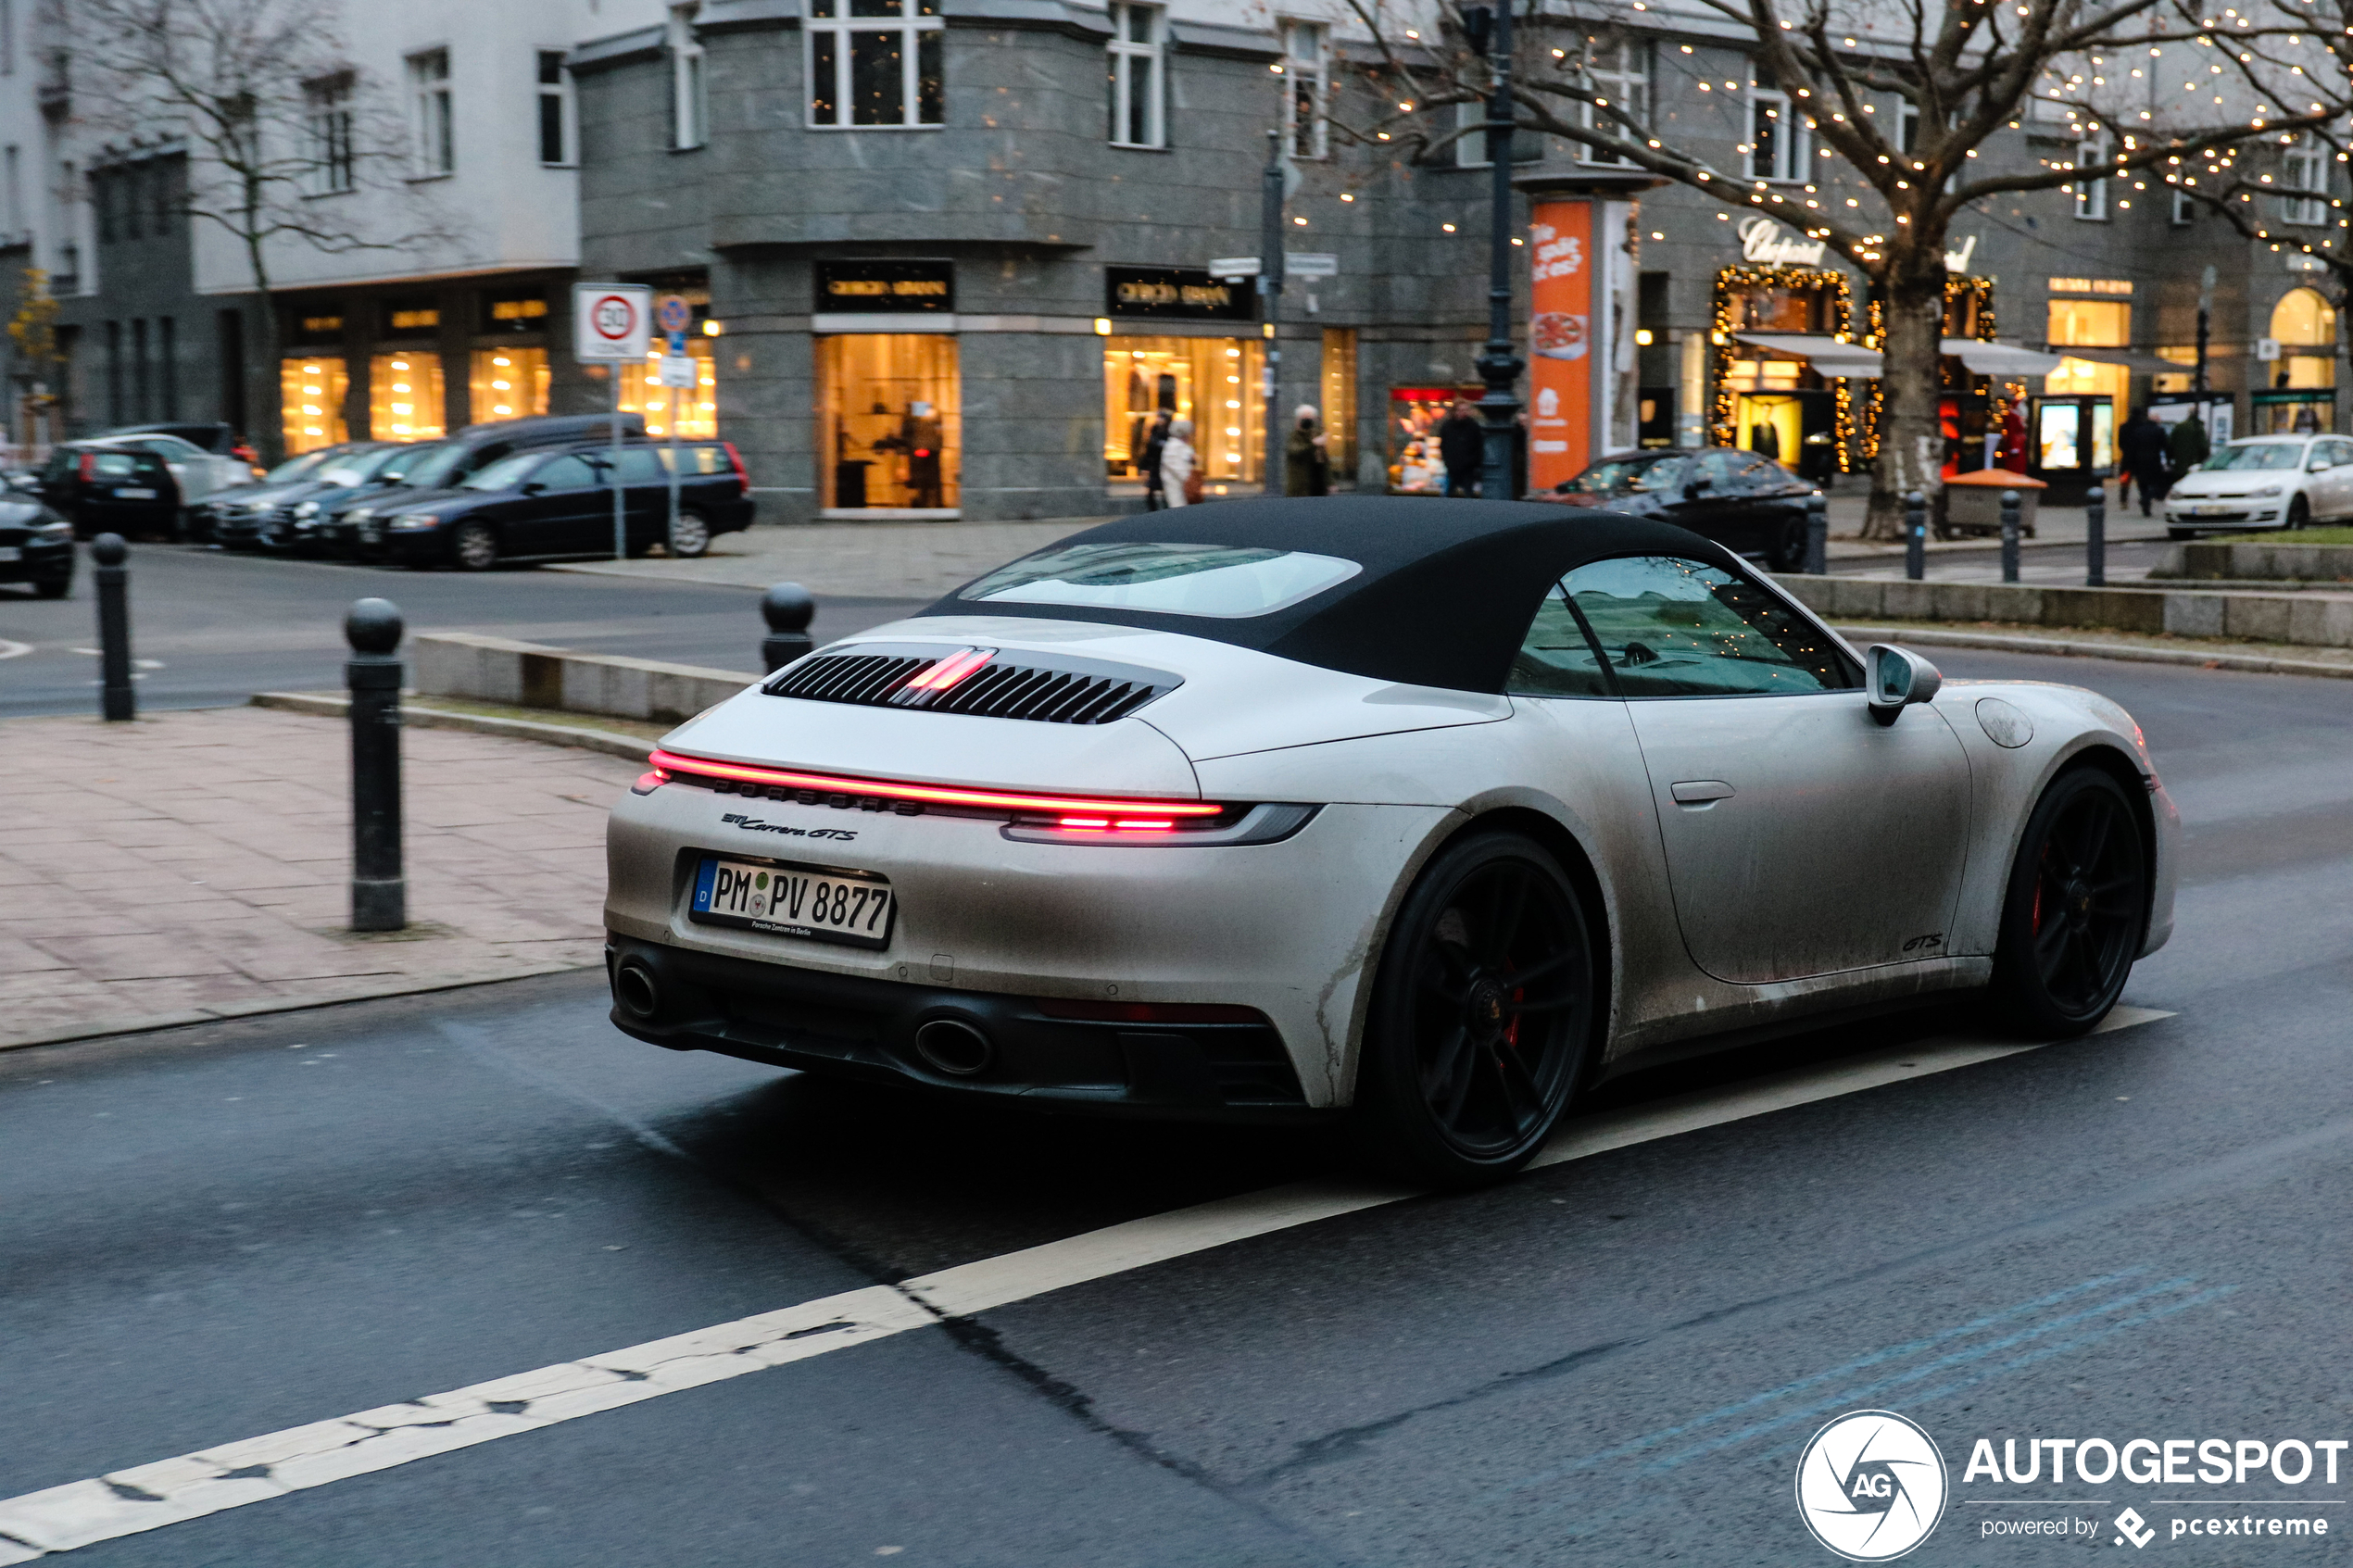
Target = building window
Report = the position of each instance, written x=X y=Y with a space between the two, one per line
x=888 y=422
x=689 y=114
x=1620 y=76
x=7 y=37
x=555 y=110
x=405 y=398
x=2304 y=167
x=1305 y=130
x=1339 y=399
x=509 y=383
x=311 y=392
x=2184 y=211
x=875 y=63
x=1777 y=139
x=326 y=121
x=642 y=393
x=12 y=192
x=429 y=95
x=1136 y=88
x=2091 y=195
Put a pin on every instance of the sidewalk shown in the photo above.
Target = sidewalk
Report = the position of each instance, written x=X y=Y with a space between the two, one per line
x=923 y=560
x=194 y=865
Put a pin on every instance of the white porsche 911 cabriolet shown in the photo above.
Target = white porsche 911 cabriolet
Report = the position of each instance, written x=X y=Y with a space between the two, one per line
x=1424 y=814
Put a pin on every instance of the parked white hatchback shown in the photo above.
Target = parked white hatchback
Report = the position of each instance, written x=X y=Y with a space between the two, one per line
x=2264 y=481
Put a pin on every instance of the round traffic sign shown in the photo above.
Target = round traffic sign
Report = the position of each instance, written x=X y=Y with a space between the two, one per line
x=673 y=314
x=613 y=318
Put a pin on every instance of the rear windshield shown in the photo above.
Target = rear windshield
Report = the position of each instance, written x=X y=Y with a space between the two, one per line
x=2259 y=455
x=1221 y=581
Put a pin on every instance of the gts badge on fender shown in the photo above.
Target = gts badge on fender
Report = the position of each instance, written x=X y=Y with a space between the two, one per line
x=754 y=824
x=1928 y=944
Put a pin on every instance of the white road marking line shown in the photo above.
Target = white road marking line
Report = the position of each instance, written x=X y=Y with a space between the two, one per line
x=14 y=650
x=125 y=1502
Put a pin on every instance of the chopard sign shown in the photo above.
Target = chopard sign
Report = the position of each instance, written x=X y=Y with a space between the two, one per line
x=1764 y=241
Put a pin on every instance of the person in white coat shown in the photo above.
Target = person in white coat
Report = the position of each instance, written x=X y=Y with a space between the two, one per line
x=1177 y=460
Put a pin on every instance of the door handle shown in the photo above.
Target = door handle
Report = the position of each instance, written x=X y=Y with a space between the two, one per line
x=1701 y=792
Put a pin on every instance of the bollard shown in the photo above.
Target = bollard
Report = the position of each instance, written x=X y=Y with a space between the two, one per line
x=2095 y=539
x=787 y=608
x=115 y=698
x=1915 y=535
x=1817 y=535
x=379 y=892
x=2009 y=535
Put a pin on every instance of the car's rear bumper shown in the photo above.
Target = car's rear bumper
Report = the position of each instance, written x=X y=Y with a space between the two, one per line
x=39 y=563
x=862 y=1027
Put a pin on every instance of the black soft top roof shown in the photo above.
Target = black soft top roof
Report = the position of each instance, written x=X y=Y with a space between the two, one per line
x=1445 y=598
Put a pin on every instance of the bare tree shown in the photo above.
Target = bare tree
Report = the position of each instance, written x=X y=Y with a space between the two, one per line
x=1956 y=76
x=288 y=142
x=2280 y=192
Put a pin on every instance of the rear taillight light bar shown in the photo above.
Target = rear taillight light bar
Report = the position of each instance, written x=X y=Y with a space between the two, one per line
x=1156 y=815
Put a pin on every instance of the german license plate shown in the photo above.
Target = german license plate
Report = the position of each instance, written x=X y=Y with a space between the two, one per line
x=11 y=552
x=856 y=908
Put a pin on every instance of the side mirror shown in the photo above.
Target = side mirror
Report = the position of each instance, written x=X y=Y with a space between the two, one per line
x=533 y=487
x=1898 y=679
x=1694 y=487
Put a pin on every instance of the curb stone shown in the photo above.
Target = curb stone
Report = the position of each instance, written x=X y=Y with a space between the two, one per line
x=329 y=707
x=2252 y=664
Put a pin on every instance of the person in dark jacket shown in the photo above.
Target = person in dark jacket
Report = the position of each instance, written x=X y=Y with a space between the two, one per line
x=2187 y=447
x=2141 y=445
x=1461 y=447
x=1307 y=464
x=1154 y=496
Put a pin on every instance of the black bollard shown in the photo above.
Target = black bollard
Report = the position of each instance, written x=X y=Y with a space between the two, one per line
x=1817 y=535
x=379 y=892
x=1915 y=535
x=2009 y=535
x=2095 y=539
x=787 y=608
x=115 y=698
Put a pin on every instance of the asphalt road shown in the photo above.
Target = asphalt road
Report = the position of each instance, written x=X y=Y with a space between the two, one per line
x=210 y=628
x=218 y=1232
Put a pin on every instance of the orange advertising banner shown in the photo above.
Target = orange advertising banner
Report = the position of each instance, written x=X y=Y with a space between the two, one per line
x=1560 y=336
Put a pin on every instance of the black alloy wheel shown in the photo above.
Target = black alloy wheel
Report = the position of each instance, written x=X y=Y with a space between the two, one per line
x=1482 y=1015
x=2299 y=513
x=2076 y=909
x=474 y=546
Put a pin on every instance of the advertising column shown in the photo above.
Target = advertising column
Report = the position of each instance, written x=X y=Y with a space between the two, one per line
x=1560 y=416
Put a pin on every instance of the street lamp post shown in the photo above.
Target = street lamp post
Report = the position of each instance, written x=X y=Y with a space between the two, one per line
x=1499 y=367
x=1270 y=306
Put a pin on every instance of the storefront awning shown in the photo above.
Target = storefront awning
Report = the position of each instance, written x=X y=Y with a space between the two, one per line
x=1830 y=357
x=2128 y=358
x=2000 y=358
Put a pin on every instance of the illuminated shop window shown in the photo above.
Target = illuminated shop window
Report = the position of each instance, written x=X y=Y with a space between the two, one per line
x=310 y=392
x=404 y=398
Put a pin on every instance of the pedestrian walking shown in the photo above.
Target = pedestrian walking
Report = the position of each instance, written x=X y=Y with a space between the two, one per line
x=1462 y=448
x=2141 y=445
x=1180 y=474
x=2187 y=447
x=1155 y=497
x=1307 y=463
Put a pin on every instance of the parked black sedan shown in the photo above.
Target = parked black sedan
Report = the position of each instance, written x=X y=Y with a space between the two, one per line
x=36 y=545
x=107 y=486
x=1746 y=503
x=544 y=504
x=236 y=519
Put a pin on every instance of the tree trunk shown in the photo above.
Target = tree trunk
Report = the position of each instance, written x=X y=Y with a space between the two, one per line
x=1911 y=439
x=268 y=410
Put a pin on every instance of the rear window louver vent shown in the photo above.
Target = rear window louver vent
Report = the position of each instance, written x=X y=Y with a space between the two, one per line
x=977 y=681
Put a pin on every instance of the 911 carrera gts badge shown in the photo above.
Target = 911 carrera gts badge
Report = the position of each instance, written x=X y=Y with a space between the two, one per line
x=754 y=824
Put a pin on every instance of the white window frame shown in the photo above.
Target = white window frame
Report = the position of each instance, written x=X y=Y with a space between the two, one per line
x=1133 y=62
x=560 y=92
x=1626 y=83
x=2091 y=195
x=1306 y=67
x=436 y=113
x=2304 y=167
x=827 y=21
x=689 y=92
x=12 y=193
x=327 y=111
x=1792 y=148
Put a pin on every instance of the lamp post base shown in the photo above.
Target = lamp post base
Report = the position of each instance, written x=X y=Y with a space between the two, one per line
x=380 y=905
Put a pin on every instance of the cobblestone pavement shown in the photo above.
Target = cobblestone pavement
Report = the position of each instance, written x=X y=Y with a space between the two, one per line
x=194 y=865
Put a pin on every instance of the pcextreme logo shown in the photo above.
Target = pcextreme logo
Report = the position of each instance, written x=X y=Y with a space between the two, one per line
x=1871 y=1486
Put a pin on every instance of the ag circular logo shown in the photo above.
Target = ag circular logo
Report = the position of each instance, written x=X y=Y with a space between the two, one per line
x=1870 y=1486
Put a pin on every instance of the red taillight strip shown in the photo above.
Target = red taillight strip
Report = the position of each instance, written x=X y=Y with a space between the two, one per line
x=938 y=795
x=947 y=671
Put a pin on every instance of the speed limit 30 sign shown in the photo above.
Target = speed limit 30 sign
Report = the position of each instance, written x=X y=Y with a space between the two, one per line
x=611 y=320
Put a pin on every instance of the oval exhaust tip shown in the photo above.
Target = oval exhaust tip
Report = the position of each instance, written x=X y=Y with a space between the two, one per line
x=953 y=1046
x=634 y=987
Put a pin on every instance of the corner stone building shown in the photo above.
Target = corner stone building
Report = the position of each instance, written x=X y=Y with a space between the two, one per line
x=1012 y=286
